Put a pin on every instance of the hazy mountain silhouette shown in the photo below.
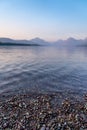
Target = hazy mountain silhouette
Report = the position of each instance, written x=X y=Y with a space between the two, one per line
x=38 y=41
x=5 y=40
x=8 y=40
x=71 y=42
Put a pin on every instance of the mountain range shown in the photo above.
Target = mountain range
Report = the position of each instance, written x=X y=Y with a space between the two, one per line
x=71 y=42
x=38 y=41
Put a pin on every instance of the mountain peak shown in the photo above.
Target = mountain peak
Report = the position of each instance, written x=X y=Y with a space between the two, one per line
x=37 y=39
x=40 y=41
x=71 y=39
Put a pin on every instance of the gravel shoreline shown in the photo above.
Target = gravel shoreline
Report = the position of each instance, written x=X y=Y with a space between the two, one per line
x=42 y=112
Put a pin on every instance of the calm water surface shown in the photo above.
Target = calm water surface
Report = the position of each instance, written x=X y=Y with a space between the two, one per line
x=43 y=69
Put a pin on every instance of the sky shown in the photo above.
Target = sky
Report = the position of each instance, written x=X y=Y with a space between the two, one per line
x=48 y=19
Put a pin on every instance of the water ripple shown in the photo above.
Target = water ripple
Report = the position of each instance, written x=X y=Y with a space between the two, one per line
x=42 y=69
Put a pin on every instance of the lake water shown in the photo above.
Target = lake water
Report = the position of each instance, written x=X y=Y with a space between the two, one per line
x=43 y=69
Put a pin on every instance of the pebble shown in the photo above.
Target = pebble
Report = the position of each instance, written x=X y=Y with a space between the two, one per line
x=37 y=112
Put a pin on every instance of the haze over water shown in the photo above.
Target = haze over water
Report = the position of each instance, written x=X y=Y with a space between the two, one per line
x=43 y=69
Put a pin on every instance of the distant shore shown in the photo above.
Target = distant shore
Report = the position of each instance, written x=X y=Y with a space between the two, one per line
x=17 y=44
x=42 y=112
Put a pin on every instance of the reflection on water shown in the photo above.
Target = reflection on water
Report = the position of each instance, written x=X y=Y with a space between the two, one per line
x=43 y=69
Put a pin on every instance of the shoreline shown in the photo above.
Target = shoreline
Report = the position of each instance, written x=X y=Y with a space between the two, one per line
x=32 y=111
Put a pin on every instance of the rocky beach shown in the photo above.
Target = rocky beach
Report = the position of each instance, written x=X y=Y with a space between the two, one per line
x=33 y=111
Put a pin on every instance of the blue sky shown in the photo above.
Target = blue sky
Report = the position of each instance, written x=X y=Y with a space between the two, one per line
x=47 y=19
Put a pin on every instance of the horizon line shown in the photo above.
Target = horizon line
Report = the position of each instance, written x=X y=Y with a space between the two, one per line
x=44 y=39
